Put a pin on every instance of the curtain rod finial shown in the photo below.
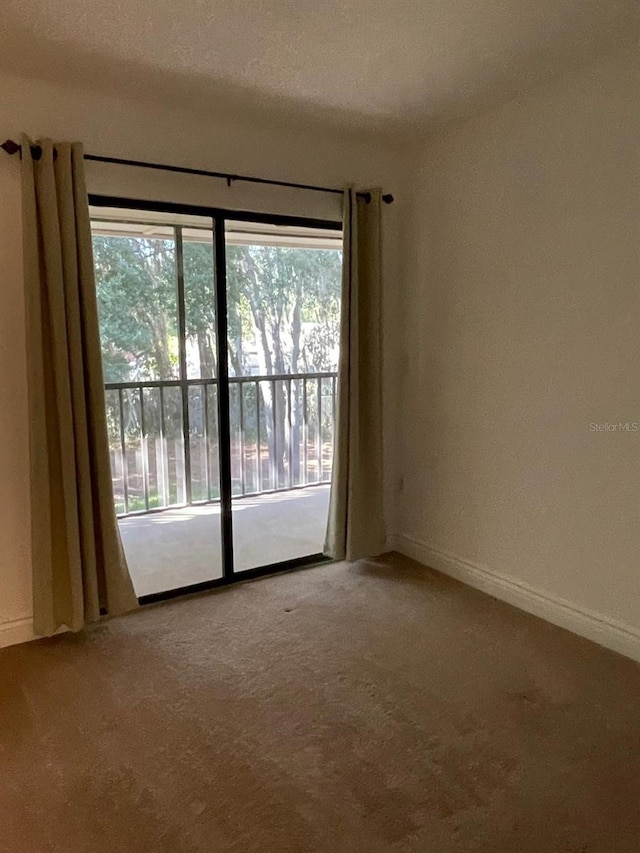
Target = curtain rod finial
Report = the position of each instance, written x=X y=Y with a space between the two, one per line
x=387 y=199
x=10 y=146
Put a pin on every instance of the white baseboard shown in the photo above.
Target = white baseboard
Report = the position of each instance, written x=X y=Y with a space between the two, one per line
x=594 y=626
x=16 y=631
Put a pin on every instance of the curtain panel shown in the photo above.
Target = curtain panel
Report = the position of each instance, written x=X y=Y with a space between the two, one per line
x=355 y=526
x=79 y=567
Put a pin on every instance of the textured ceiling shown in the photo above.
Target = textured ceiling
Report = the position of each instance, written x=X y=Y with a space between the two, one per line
x=391 y=64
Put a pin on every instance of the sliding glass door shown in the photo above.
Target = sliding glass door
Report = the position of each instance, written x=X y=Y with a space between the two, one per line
x=283 y=305
x=220 y=346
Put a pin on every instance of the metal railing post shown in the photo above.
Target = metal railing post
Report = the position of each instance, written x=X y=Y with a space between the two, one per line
x=319 y=433
x=274 y=431
x=290 y=435
x=143 y=445
x=205 y=438
x=123 y=453
x=258 y=441
x=305 y=433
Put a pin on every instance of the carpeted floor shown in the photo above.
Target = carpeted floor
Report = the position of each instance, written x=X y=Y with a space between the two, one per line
x=375 y=707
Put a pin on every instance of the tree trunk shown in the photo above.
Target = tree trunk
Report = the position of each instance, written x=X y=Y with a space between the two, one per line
x=234 y=360
x=206 y=355
x=161 y=345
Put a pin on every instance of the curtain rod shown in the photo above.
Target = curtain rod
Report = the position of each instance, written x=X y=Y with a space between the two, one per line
x=12 y=147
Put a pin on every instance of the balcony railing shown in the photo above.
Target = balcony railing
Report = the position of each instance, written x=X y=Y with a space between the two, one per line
x=163 y=438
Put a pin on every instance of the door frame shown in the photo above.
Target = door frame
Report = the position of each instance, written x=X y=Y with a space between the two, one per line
x=219 y=217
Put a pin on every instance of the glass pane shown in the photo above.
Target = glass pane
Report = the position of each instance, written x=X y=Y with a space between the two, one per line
x=283 y=296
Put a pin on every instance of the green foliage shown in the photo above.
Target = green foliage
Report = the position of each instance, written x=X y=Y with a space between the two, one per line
x=283 y=307
x=199 y=299
x=136 y=290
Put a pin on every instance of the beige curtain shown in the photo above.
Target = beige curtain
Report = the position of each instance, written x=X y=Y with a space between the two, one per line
x=355 y=526
x=79 y=568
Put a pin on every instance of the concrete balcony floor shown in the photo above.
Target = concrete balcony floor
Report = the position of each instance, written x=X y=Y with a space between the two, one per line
x=179 y=547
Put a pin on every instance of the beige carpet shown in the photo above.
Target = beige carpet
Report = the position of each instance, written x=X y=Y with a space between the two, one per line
x=375 y=707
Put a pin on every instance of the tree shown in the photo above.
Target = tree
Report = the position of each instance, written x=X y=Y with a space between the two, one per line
x=136 y=292
x=200 y=306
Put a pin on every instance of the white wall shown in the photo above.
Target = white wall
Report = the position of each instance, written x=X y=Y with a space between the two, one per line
x=146 y=131
x=521 y=317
